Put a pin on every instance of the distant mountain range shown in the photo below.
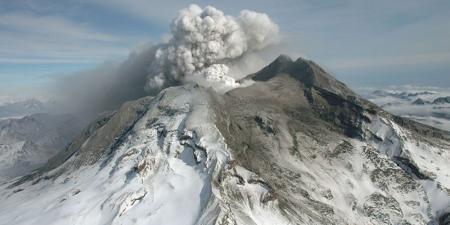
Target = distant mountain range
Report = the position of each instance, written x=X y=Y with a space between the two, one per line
x=437 y=101
x=423 y=104
x=22 y=108
x=31 y=132
x=27 y=143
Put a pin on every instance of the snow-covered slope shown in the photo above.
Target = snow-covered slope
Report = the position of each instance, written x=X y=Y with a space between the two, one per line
x=296 y=147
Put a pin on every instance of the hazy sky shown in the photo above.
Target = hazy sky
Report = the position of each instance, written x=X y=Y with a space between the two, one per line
x=362 y=42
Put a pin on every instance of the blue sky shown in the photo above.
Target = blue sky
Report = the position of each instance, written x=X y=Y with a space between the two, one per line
x=362 y=42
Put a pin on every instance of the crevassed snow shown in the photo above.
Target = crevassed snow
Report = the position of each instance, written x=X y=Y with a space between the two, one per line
x=164 y=172
x=430 y=159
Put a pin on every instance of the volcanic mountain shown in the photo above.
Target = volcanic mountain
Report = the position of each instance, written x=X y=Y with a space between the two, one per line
x=296 y=146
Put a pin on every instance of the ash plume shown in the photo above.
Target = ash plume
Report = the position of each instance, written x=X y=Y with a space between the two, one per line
x=205 y=46
x=205 y=42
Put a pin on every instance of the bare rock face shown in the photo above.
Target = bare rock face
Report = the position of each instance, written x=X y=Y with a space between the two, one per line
x=296 y=147
x=444 y=219
x=329 y=139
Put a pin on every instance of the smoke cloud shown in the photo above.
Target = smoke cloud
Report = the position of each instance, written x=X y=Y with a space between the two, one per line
x=205 y=43
x=205 y=46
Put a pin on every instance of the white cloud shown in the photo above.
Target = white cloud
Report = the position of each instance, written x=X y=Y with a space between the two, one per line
x=390 y=61
x=50 y=26
x=31 y=38
x=148 y=10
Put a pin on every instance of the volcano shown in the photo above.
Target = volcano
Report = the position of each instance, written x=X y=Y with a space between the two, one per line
x=296 y=146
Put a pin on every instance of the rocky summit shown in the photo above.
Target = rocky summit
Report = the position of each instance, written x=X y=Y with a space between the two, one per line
x=296 y=146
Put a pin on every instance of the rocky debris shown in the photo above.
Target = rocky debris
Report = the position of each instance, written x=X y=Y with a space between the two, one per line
x=130 y=200
x=386 y=173
x=383 y=209
x=18 y=190
x=341 y=112
x=265 y=123
x=76 y=191
x=410 y=167
x=444 y=219
x=144 y=167
x=341 y=148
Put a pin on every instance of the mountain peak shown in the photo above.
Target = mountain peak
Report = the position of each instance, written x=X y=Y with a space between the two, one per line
x=305 y=71
x=282 y=59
